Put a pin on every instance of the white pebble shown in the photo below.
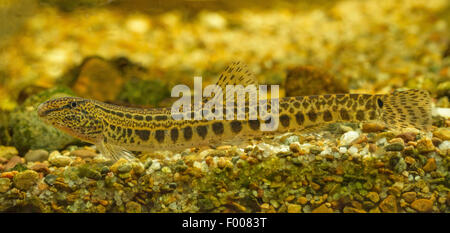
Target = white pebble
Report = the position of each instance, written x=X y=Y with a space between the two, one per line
x=381 y=141
x=444 y=146
x=353 y=150
x=155 y=165
x=348 y=138
x=342 y=150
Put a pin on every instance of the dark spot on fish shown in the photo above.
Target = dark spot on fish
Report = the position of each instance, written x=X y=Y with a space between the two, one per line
x=360 y=115
x=236 y=126
x=127 y=115
x=284 y=119
x=202 y=131
x=254 y=124
x=380 y=103
x=217 y=127
x=312 y=116
x=148 y=118
x=327 y=116
x=299 y=118
x=138 y=117
x=344 y=115
x=187 y=133
x=161 y=117
x=143 y=134
x=159 y=135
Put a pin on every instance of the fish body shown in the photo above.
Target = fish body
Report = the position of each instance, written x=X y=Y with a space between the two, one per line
x=117 y=129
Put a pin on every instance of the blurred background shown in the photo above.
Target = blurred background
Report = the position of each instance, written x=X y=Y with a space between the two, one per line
x=132 y=52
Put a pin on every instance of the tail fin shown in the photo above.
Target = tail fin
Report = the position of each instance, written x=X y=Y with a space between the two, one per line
x=411 y=108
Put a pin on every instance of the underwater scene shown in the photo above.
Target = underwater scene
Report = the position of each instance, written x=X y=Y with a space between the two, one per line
x=193 y=106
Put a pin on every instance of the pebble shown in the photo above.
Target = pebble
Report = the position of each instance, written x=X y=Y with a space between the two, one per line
x=58 y=160
x=124 y=168
x=408 y=136
x=409 y=196
x=133 y=207
x=40 y=167
x=353 y=150
x=294 y=208
x=5 y=184
x=323 y=209
x=83 y=153
x=36 y=155
x=389 y=204
x=430 y=165
x=442 y=133
x=7 y=152
x=422 y=205
x=26 y=179
x=372 y=127
x=348 y=138
x=373 y=196
x=394 y=147
x=425 y=145
x=302 y=200
x=342 y=150
x=445 y=147
x=13 y=162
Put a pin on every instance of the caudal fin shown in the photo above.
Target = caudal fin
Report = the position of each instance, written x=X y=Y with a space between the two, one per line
x=404 y=109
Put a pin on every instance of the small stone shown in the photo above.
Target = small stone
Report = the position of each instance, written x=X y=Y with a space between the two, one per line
x=133 y=207
x=349 y=209
x=26 y=179
x=294 y=147
x=114 y=168
x=58 y=160
x=430 y=165
x=40 y=167
x=389 y=204
x=5 y=184
x=372 y=127
x=166 y=170
x=302 y=200
x=394 y=147
x=444 y=147
x=348 y=138
x=36 y=155
x=323 y=209
x=13 y=162
x=124 y=168
x=425 y=145
x=7 y=152
x=422 y=205
x=442 y=133
x=373 y=196
x=294 y=208
x=408 y=136
x=410 y=160
x=315 y=186
x=83 y=153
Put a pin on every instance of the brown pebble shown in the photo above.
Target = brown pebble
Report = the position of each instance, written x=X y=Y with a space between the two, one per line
x=442 y=133
x=409 y=196
x=408 y=136
x=436 y=141
x=430 y=165
x=371 y=127
x=372 y=147
x=294 y=208
x=323 y=209
x=315 y=186
x=373 y=196
x=425 y=145
x=83 y=153
x=349 y=209
x=422 y=205
x=40 y=167
x=13 y=162
x=410 y=160
x=389 y=204
x=302 y=200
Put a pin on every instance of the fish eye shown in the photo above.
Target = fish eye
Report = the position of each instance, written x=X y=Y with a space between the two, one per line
x=73 y=104
x=380 y=103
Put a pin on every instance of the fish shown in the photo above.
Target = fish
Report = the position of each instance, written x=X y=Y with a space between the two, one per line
x=118 y=130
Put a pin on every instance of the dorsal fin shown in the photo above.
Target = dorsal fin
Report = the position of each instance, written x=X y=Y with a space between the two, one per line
x=237 y=73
